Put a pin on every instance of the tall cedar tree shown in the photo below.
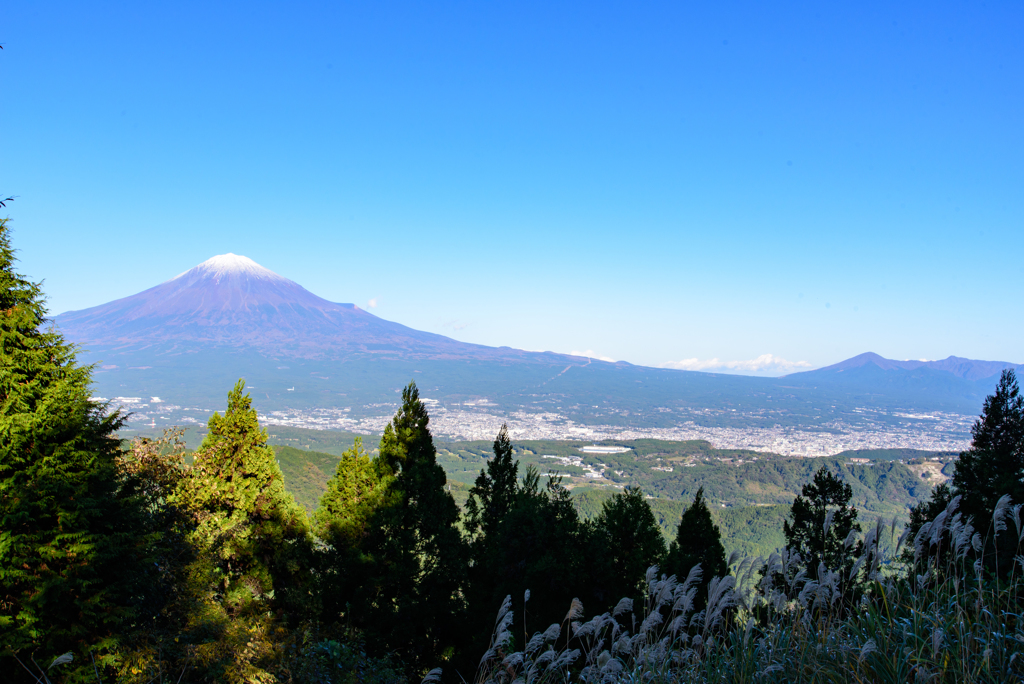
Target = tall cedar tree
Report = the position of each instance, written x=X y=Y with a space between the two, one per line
x=994 y=466
x=494 y=492
x=541 y=546
x=697 y=541
x=991 y=468
x=826 y=493
x=626 y=542
x=69 y=556
x=492 y=497
x=235 y=548
x=244 y=516
x=523 y=537
x=415 y=604
x=354 y=495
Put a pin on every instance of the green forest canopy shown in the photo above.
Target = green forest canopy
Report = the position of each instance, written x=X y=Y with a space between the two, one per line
x=749 y=492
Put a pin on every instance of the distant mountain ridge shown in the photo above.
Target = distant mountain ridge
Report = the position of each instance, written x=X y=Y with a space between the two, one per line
x=968 y=369
x=186 y=341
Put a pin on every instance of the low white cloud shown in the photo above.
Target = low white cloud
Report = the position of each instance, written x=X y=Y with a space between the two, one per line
x=766 y=364
x=591 y=354
x=456 y=325
x=372 y=303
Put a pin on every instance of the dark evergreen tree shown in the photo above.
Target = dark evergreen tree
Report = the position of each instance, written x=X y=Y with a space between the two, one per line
x=825 y=499
x=626 y=542
x=71 y=557
x=540 y=546
x=924 y=512
x=523 y=537
x=697 y=541
x=994 y=465
x=415 y=603
x=342 y=520
x=494 y=492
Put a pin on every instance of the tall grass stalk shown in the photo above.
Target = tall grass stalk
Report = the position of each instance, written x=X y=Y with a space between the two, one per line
x=936 y=616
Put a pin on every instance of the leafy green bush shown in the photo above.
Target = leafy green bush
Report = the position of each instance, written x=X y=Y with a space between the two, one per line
x=333 y=661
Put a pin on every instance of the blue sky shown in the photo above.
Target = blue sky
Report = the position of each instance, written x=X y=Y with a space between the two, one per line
x=690 y=183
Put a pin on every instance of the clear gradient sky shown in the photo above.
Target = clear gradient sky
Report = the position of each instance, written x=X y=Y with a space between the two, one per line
x=654 y=182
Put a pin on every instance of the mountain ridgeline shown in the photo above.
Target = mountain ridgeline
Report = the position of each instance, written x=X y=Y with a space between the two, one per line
x=187 y=338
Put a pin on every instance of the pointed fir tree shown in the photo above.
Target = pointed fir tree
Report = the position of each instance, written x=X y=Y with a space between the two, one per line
x=494 y=491
x=415 y=604
x=352 y=496
x=698 y=541
x=994 y=465
x=70 y=572
x=244 y=517
x=826 y=495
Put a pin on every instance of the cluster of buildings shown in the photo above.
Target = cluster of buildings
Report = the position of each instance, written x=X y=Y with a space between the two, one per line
x=482 y=420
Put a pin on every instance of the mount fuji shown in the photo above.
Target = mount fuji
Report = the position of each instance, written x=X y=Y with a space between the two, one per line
x=232 y=303
x=192 y=336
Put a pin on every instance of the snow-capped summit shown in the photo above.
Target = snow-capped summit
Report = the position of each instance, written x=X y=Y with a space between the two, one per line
x=231 y=264
x=231 y=301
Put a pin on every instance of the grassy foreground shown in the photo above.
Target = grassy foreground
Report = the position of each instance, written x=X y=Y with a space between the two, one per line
x=879 y=621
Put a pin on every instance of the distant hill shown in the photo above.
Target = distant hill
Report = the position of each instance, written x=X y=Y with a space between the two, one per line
x=968 y=369
x=953 y=384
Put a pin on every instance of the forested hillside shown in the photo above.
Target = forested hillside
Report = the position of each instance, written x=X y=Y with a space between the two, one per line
x=749 y=492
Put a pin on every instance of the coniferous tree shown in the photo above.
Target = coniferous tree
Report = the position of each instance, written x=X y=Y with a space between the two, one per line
x=825 y=499
x=626 y=542
x=924 y=512
x=354 y=495
x=994 y=465
x=234 y=546
x=523 y=537
x=418 y=555
x=71 y=571
x=992 y=468
x=491 y=499
x=698 y=541
x=541 y=545
x=494 y=492
x=243 y=515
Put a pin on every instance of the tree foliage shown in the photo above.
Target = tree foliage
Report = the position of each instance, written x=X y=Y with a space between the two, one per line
x=494 y=492
x=72 y=563
x=524 y=536
x=994 y=465
x=414 y=550
x=822 y=519
x=244 y=516
x=698 y=541
x=626 y=541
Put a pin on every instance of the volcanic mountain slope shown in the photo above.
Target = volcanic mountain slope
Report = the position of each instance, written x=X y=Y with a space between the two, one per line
x=194 y=335
x=231 y=302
